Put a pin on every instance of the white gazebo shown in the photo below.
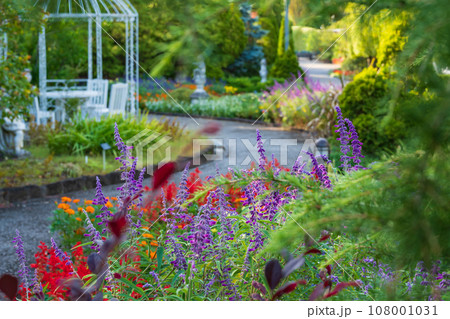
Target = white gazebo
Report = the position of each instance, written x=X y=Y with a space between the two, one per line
x=93 y=12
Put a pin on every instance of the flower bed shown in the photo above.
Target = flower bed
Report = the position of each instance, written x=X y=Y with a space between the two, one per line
x=238 y=236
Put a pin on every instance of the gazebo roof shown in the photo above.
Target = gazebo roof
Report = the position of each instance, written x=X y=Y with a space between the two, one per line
x=106 y=9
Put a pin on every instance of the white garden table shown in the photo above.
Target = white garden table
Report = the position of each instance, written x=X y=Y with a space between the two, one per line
x=61 y=96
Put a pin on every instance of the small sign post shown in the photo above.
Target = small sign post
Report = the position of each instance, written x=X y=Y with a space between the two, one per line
x=105 y=147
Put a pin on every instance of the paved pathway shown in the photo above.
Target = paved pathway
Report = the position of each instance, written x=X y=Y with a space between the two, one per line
x=319 y=71
x=32 y=218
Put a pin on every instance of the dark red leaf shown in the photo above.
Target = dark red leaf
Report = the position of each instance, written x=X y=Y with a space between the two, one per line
x=211 y=128
x=318 y=291
x=288 y=288
x=162 y=174
x=339 y=287
x=9 y=286
x=312 y=251
x=329 y=269
x=324 y=237
x=273 y=273
x=259 y=286
x=118 y=225
x=117 y=275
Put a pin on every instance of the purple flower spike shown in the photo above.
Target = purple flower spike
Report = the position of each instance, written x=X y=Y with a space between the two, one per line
x=261 y=151
x=61 y=254
x=92 y=233
x=100 y=199
x=20 y=251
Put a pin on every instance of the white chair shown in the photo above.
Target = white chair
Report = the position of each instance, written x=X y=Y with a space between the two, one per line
x=42 y=115
x=97 y=105
x=118 y=98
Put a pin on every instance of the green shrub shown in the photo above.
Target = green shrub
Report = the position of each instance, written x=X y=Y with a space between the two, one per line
x=286 y=65
x=364 y=102
x=182 y=94
x=84 y=136
x=230 y=106
x=354 y=64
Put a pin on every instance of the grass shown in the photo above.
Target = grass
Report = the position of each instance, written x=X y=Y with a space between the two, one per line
x=42 y=167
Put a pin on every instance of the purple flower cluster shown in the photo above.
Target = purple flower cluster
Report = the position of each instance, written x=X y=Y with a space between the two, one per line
x=320 y=170
x=200 y=236
x=349 y=140
x=93 y=234
x=61 y=254
x=100 y=199
x=20 y=252
x=261 y=151
x=435 y=278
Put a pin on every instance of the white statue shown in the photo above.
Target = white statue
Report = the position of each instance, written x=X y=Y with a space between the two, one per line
x=11 y=137
x=200 y=81
x=263 y=70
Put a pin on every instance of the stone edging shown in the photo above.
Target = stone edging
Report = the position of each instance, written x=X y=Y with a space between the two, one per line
x=22 y=193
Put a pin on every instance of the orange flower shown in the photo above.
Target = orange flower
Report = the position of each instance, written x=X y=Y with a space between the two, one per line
x=108 y=204
x=80 y=209
x=145 y=227
x=76 y=201
x=113 y=198
x=64 y=206
x=70 y=211
x=147 y=235
x=66 y=199
x=143 y=243
x=90 y=209
x=88 y=202
x=152 y=254
x=154 y=243
x=79 y=219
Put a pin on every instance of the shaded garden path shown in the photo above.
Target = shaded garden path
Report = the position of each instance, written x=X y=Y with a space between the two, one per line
x=31 y=218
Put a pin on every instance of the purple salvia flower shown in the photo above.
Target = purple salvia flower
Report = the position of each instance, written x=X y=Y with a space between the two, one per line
x=92 y=233
x=320 y=171
x=261 y=151
x=61 y=254
x=343 y=139
x=183 y=192
x=356 y=145
x=200 y=236
x=100 y=199
x=20 y=252
x=155 y=278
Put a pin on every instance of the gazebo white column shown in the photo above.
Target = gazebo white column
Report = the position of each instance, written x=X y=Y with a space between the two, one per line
x=90 y=62
x=42 y=68
x=98 y=38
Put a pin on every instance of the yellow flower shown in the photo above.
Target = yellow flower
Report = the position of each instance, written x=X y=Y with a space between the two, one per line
x=79 y=219
x=66 y=199
x=70 y=211
x=88 y=202
x=90 y=209
x=76 y=201
x=147 y=235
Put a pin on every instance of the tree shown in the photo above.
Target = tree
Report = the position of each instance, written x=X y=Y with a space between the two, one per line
x=248 y=63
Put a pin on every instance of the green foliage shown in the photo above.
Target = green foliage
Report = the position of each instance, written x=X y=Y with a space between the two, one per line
x=380 y=35
x=355 y=64
x=363 y=102
x=229 y=106
x=16 y=93
x=181 y=94
x=84 y=136
x=227 y=34
x=286 y=65
x=271 y=15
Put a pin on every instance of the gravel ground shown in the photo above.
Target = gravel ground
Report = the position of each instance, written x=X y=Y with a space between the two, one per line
x=32 y=218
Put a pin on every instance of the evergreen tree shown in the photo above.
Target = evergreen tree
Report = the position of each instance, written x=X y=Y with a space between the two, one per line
x=248 y=63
